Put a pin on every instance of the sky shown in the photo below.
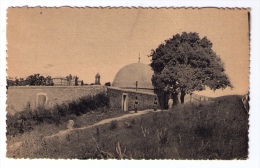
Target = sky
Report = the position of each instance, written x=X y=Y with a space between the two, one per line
x=85 y=41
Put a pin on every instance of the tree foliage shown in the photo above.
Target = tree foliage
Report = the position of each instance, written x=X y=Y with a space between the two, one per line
x=32 y=80
x=69 y=79
x=76 y=81
x=185 y=63
x=39 y=80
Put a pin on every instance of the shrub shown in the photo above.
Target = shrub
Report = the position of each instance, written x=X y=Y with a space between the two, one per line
x=113 y=125
x=19 y=123
x=88 y=103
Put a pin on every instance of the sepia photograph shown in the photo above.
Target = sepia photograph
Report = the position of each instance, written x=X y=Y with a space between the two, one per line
x=127 y=83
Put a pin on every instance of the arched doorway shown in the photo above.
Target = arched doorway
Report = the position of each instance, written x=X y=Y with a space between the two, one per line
x=125 y=102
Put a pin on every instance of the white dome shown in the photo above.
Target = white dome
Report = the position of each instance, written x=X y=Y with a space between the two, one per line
x=128 y=75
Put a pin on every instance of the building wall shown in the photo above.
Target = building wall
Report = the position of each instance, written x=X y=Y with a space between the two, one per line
x=145 y=100
x=18 y=97
x=60 y=81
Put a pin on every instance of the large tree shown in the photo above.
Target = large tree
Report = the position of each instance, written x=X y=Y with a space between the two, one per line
x=186 y=63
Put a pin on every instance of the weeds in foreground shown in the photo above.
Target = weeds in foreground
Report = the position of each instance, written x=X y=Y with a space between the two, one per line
x=145 y=131
x=163 y=137
x=120 y=152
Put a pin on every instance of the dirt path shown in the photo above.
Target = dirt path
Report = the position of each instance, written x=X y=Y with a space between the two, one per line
x=63 y=133
x=105 y=121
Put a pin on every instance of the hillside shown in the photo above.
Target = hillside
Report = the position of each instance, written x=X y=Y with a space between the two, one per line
x=216 y=130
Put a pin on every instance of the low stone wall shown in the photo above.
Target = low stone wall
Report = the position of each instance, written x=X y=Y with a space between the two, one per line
x=145 y=99
x=20 y=97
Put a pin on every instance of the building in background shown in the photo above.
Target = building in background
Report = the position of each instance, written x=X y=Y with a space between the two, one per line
x=97 y=79
x=131 y=83
x=59 y=81
x=66 y=81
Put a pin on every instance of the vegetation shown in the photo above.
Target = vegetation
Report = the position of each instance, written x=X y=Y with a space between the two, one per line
x=32 y=80
x=216 y=130
x=185 y=63
x=28 y=119
x=113 y=125
x=74 y=81
x=39 y=80
x=69 y=79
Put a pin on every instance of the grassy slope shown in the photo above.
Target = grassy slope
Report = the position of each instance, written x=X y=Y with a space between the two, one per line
x=33 y=138
x=218 y=130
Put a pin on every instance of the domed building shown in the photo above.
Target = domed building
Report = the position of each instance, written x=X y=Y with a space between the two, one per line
x=136 y=76
x=132 y=83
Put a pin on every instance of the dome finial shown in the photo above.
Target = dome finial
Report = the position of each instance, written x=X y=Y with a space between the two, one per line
x=139 y=58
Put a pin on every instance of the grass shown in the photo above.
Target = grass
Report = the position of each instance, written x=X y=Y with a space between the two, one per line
x=217 y=130
x=45 y=129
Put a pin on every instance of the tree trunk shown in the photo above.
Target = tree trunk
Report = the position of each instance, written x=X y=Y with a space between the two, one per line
x=182 y=96
x=175 y=99
x=161 y=98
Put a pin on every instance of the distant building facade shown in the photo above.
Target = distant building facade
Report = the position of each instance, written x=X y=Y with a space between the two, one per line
x=97 y=79
x=66 y=81
x=59 y=81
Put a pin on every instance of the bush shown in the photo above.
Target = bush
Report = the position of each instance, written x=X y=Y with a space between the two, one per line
x=88 y=103
x=19 y=123
x=113 y=125
x=25 y=120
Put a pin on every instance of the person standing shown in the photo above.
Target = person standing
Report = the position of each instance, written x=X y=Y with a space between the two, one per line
x=170 y=102
x=155 y=103
x=136 y=104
